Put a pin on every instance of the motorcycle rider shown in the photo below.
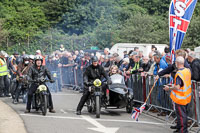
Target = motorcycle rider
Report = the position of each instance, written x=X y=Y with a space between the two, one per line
x=22 y=71
x=92 y=72
x=37 y=71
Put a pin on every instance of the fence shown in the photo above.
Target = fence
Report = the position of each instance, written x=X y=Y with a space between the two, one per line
x=67 y=77
x=160 y=99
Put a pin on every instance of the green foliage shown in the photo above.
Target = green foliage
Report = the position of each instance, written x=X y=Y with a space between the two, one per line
x=28 y=25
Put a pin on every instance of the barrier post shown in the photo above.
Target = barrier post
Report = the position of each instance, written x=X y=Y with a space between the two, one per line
x=197 y=101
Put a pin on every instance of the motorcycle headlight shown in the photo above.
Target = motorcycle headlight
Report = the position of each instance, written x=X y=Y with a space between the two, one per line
x=54 y=75
x=42 y=88
x=97 y=83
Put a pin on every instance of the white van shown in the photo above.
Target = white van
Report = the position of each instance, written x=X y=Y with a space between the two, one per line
x=146 y=48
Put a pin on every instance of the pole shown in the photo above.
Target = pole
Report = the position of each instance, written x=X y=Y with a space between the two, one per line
x=150 y=91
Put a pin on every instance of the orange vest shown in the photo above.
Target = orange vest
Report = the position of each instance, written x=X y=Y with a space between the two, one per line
x=183 y=95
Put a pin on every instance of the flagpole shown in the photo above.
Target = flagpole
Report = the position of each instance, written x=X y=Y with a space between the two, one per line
x=151 y=91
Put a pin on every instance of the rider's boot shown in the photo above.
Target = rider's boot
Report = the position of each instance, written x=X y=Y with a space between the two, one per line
x=15 y=101
x=52 y=111
x=78 y=112
x=27 y=111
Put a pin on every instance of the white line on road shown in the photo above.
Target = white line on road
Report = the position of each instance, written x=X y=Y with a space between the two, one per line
x=99 y=127
x=103 y=120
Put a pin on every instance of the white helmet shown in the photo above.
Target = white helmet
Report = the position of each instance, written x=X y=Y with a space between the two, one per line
x=38 y=57
x=32 y=57
x=3 y=53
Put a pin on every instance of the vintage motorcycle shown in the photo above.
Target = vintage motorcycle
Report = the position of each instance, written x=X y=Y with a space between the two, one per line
x=41 y=96
x=116 y=96
x=94 y=101
x=23 y=86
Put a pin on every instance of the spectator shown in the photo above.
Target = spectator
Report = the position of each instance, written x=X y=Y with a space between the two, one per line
x=141 y=54
x=125 y=64
x=131 y=61
x=146 y=64
x=172 y=68
x=161 y=63
x=125 y=54
x=153 y=48
x=195 y=65
x=118 y=61
x=114 y=70
x=101 y=60
x=136 y=49
x=167 y=50
x=106 y=51
x=38 y=52
x=137 y=63
x=62 y=49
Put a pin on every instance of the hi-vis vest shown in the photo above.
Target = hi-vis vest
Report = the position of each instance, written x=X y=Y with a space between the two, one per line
x=3 y=67
x=183 y=95
x=136 y=66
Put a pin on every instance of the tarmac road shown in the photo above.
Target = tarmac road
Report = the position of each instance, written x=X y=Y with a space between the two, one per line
x=66 y=121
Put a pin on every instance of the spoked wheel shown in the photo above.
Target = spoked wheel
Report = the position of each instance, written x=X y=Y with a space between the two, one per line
x=98 y=107
x=89 y=105
x=44 y=104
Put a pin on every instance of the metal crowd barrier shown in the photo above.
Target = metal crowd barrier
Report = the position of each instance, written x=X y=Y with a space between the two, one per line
x=71 y=77
x=160 y=99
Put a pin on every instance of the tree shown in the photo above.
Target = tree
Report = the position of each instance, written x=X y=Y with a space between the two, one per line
x=144 y=29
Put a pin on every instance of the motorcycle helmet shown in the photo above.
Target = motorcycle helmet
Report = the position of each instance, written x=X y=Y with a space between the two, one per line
x=38 y=57
x=31 y=57
x=18 y=60
x=94 y=59
x=26 y=59
x=3 y=53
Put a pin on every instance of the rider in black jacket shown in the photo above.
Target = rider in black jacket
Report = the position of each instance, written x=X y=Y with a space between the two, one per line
x=37 y=71
x=92 y=72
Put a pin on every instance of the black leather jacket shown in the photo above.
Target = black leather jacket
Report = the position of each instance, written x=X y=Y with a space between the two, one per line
x=35 y=73
x=91 y=73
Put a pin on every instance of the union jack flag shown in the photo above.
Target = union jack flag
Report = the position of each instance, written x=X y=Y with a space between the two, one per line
x=180 y=14
x=137 y=111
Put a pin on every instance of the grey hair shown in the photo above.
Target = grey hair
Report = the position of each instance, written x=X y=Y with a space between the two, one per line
x=180 y=60
x=192 y=54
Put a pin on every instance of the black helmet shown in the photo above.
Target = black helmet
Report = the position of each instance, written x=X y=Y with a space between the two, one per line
x=94 y=59
x=15 y=53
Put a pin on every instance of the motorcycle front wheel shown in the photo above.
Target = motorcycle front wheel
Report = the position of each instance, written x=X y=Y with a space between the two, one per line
x=44 y=104
x=98 y=107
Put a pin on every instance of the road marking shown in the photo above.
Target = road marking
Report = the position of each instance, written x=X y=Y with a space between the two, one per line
x=103 y=120
x=99 y=127
x=64 y=112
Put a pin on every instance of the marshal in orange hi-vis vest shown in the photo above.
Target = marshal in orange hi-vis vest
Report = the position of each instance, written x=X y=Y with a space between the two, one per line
x=183 y=95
